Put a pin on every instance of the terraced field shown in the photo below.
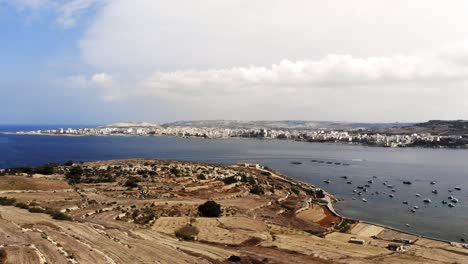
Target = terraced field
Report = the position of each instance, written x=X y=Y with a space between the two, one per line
x=129 y=211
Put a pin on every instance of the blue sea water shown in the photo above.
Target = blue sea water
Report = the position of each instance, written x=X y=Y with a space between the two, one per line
x=449 y=168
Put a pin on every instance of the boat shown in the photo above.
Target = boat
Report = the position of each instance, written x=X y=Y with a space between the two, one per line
x=327 y=181
x=349 y=182
x=390 y=186
x=451 y=197
x=344 y=177
x=427 y=200
x=444 y=202
x=329 y=162
x=296 y=162
x=433 y=182
x=454 y=200
x=435 y=192
x=321 y=161
x=370 y=181
x=405 y=202
x=313 y=160
x=415 y=207
x=391 y=195
x=407 y=225
x=413 y=210
x=384 y=183
x=337 y=163
x=375 y=177
x=354 y=191
x=451 y=205
x=360 y=187
x=364 y=200
x=458 y=188
x=354 y=198
x=407 y=182
x=367 y=185
x=418 y=195
x=393 y=190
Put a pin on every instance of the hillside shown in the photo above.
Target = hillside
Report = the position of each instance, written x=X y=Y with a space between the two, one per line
x=153 y=211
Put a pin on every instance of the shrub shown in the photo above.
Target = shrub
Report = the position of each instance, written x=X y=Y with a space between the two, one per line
x=230 y=180
x=187 y=232
x=131 y=183
x=256 y=189
x=7 y=201
x=234 y=258
x=57 y=215
x=46 y=169
x=22 y=205
x=210 y=209
x=3 y=255
x=69 y=163
x=36 y=210
x=74 y=175
x=174 y=171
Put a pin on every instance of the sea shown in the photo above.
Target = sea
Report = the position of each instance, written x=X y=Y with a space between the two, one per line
x=329 y=166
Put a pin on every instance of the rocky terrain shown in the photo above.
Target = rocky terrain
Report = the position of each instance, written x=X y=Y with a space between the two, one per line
x=153 y=211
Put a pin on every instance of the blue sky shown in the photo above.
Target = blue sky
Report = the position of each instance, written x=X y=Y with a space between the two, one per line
x=103 y=61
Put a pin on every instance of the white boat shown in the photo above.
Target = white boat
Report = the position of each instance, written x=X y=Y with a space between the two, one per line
x=451 y=205
x=391 y=195
x=433 y=182
x=427 y=200
x=415 y=207
x=418 y=195
x=364 y=200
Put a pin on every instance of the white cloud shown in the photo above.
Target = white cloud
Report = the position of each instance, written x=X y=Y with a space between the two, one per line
x=70 y=11
x=81 y=81
x=102 y=80
x=146 y=35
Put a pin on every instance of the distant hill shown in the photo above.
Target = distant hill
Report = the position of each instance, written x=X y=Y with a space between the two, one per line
x=132 y=124
x=435 y=127
x=282 y=124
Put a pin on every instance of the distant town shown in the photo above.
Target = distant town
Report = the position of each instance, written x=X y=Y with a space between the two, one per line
x=414 y=135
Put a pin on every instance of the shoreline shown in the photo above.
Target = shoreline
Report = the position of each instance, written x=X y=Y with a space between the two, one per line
x=227 y=138
x=331 y=200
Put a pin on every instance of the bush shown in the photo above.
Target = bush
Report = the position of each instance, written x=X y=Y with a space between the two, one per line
x=230 y=180
x=210 y=209
x=69 y=163
x=46 y=169
x=57 y=215
x=7 y=201
x=3 y=255
x=187 y=232
x=234 y=258
x=256 y=189
x=131 y=183
x=74 y=175
x=36 y=210
x=22 y=205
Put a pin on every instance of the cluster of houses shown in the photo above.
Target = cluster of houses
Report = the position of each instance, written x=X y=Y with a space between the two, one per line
x=320 y=135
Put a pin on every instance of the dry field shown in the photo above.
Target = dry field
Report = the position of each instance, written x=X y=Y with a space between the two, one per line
x=265 y=218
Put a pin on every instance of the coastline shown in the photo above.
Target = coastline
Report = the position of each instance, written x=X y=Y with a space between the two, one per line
x=226 y=138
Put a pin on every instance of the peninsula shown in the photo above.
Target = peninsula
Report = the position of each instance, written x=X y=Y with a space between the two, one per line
x=432 y=134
